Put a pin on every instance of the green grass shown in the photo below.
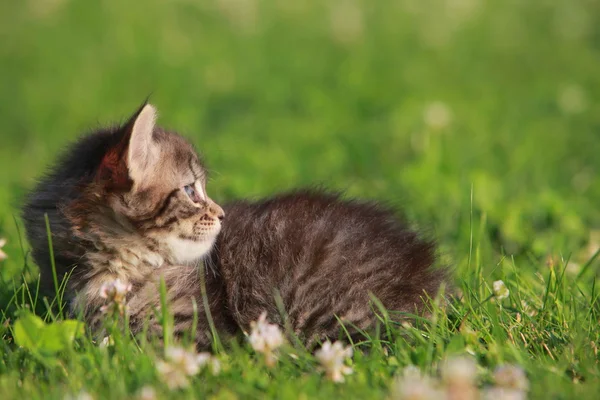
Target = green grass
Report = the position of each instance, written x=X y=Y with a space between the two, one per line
x=280 y=94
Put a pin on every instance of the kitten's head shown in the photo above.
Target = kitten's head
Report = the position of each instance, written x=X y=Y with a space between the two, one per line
x=155 y=184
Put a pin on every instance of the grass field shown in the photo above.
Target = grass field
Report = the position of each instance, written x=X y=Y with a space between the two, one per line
x=479 y=120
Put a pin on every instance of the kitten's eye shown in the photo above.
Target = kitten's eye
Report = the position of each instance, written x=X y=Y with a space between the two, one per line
x=191 y=192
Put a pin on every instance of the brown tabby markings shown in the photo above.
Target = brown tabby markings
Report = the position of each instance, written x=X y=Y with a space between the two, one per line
x=325 y=257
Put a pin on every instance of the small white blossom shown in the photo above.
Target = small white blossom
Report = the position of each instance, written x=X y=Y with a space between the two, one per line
x=462 y=10
x=188 y=361
x=242 y=14
x=147 y=393
x=413 y=385
x=332 y=357
x=3 y=255
x=179 y=364
x=208 y=360
x=501 y=292
x=572 y=99
x=346 y=18
x=107 y=341
x=500 y=393
x=265 y=338
x=459 y=370
x=593 y=243
x=437 y=115
x=511 y=377
x=170 y=374
x=573 y=268
x=83 y=395
x=114 y=292
x=458 y=375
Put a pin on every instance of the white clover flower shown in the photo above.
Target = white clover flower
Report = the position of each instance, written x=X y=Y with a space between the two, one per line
x=459 y=370
x=572 y=99
x=462 y=10
x=501 y=292
x=500 y=393
x=573 y=268
x=187 y=361
x=3 y=255
x=171 y=375
x=593 y=244
x=208 y=360
x=332 y=358
x=346 y=19
x=242 y=14
x=413 y=385
x=458 y=375
x=511 y=377
x=106 y=342
x=437 y=115
x=179 y=364
x=147 y=393
x=83 y=395
x=114 y=292
x=265 y=338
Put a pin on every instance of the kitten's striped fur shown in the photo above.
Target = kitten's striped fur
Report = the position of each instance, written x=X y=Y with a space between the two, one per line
x=324 y=257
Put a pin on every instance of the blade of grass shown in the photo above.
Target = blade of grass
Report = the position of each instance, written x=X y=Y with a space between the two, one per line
x=53 y=264
x=216 y=341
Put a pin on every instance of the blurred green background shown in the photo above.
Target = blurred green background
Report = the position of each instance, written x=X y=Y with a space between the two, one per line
x=476 y=118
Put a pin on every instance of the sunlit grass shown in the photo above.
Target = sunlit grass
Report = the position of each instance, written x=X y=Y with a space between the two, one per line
x=477 y=120
x=548 y=330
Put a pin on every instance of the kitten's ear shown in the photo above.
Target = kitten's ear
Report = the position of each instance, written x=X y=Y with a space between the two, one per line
x=142 y=152
x=134 y=153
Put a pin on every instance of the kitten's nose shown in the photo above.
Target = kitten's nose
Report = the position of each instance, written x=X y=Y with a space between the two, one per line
x=217 y=211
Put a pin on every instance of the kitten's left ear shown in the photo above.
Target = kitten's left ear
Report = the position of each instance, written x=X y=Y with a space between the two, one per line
x=134 y=153
x=142 y=152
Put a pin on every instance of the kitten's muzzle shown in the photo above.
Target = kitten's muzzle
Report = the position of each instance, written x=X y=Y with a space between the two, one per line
x=215 y=211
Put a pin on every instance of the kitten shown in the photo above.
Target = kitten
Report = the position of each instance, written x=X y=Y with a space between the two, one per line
x=324 y=256
x=130 y=203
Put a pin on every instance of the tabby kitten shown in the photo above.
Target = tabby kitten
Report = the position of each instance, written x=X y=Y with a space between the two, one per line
x=323 y=257
x=130 y=203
